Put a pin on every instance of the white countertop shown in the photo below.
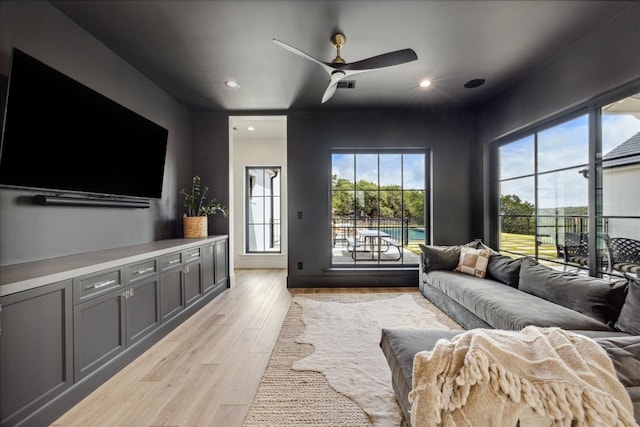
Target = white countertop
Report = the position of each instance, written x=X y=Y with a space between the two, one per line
x=21 y=277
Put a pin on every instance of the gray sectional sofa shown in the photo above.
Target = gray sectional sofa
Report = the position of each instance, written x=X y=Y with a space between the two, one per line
x=514 y=294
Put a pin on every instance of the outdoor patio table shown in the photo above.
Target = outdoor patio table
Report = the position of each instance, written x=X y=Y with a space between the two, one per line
x=372 y=237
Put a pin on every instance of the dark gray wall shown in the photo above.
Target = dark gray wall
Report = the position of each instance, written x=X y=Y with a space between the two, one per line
x=211 y=162
x=597 y=65
x=600 y=62
x=29 y=232
x=311 y=136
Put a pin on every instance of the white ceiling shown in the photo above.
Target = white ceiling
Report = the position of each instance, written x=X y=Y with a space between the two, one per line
x=189 y=48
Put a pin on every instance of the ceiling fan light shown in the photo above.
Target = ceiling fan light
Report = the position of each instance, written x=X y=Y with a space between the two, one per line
x=232 y=84
x=425 y=83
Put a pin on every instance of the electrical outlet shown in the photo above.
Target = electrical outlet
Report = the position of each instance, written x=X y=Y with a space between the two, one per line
x=299 y=265
x=299 y=214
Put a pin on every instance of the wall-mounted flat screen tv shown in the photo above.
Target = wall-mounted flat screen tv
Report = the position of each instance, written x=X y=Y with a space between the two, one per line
x=63 y=137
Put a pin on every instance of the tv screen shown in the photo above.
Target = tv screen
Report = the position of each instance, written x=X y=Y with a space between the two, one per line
x=62 y=136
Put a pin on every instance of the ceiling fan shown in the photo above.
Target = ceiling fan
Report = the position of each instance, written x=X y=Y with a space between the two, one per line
x=338 y=69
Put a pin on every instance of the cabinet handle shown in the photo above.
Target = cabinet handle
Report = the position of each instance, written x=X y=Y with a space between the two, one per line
x=173 y=261
x=128 y=293
x=194 y=254
x=101 y=284
x=145 y=270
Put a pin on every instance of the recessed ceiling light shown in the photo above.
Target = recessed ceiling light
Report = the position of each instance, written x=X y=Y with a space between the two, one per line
x=425 y=83
x=232 y=84
x=251 y=128
x=474 y=83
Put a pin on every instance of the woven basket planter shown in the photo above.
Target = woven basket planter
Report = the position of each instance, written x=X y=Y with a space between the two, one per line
x=194 y=226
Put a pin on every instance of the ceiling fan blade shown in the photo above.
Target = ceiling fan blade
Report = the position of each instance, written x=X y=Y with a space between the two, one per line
x=385 y=60
x=327 y=67
x=328 y=94
x=336 y=76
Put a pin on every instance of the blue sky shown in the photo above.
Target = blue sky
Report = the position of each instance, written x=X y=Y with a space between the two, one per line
x=389 y=172
x=562 y=146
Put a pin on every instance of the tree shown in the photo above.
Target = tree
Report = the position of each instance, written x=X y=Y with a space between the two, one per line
x=517 y=215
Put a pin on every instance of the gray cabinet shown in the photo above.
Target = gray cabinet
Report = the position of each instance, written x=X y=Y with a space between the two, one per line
x=36 y=352
x=59 y=340
x=208 y=268
x=221 y=260
x=192 y=271
x=171 y=281
x=215 y=270
x=142 y=309
x=99 y=333
x=105 y=324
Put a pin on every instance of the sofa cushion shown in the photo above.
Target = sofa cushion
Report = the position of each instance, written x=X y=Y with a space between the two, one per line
x=597 y=298
x=399 y=347
x=629 y=319
x=440 y=257
x=444 y=257
x=504 y=269
x=504 y=307
x=473 y=262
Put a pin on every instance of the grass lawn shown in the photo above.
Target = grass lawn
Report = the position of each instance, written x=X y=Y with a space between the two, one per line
x=524 y=244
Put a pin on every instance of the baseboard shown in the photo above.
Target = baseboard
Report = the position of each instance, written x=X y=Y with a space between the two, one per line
x=356 y=278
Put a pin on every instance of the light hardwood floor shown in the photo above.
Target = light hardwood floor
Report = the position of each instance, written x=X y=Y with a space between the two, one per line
x=207 y=370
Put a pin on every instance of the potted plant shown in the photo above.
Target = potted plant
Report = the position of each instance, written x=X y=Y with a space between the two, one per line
x=198 y=209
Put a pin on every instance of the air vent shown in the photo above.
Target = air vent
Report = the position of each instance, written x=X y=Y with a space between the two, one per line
x=346 y=84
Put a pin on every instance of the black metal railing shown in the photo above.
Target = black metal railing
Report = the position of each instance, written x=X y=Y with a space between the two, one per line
x=400 y=229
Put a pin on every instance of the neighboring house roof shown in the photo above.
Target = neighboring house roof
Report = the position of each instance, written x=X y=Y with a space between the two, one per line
x=627 y=153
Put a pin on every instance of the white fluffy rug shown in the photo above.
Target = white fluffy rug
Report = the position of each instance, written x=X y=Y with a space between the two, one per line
x=346 y=338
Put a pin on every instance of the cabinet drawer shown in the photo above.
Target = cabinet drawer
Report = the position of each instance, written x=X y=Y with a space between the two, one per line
x=87 y=287
x=191 y=255
x=142 y=270
x=170 y=261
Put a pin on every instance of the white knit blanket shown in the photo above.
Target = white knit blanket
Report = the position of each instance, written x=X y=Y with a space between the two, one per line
x=538 y=376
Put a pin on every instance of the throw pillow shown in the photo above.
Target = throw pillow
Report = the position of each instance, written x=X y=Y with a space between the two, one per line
x=599 y=299
x=504 y=270
x=439 y=257
x=629 y=320
x=473 y=261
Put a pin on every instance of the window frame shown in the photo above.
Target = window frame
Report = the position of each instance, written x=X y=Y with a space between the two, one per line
x=428 y=191
x=249 y=195
x=593 y=110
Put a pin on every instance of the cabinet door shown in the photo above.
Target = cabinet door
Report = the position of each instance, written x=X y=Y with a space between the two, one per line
x=142 y=304
x=221 y=262
x=192 y=282
x=99 y=333
x=208 y=271
x=171 y=294
x=36 y=352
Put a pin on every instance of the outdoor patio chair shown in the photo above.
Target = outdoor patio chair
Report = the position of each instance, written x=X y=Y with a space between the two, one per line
x=624 y=255
x=576 y=249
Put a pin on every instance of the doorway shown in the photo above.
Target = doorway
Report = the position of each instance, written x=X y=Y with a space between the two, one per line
x=257 y=143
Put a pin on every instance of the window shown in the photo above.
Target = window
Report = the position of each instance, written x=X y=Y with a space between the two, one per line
x=262 y=203
x=543 y=191
x=619 y=184
x=565 y=207
x=378 y=207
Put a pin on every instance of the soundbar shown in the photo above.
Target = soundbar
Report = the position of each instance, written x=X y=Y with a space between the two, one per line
x=43 y=200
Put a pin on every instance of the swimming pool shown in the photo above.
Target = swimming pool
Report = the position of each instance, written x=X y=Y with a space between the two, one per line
x=415 y=234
